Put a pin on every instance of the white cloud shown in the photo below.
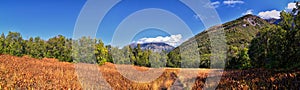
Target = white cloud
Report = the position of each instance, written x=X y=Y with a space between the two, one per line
x=291 y=6
x=250 y=11
x=270 y=14
x=233 y=2
x=215 y=4
x=276 y=14
x=171 y=40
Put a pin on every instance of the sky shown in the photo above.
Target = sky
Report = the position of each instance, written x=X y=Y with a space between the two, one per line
x=49 y=18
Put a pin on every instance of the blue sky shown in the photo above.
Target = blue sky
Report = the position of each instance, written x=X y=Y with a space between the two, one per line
x=48 y=18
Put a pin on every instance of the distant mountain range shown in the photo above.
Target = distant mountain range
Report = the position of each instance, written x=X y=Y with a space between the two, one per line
x=154 y=46
x=273 y=20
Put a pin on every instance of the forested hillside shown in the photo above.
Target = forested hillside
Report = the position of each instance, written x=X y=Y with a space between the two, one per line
x=239 y=34
x=253 y=43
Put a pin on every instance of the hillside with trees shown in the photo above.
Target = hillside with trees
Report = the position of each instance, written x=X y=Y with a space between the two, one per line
x=239 y=34
x=278 y=46
x=252 y=43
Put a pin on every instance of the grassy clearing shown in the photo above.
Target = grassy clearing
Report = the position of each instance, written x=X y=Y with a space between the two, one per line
x=29 y=73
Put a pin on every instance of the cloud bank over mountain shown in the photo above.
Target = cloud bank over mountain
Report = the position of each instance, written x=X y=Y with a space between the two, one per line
x=275 y=14
x=173 y=40
x=270 y=14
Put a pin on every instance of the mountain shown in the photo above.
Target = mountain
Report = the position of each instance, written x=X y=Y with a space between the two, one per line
x=155 y=46
x=239 y=34
x=273 y=20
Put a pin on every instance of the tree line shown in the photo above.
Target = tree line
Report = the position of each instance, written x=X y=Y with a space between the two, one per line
x=56 y=47
x=278 y=46
x=82 y=50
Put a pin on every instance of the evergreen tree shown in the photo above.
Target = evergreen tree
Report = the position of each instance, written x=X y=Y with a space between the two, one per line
x=2 y=45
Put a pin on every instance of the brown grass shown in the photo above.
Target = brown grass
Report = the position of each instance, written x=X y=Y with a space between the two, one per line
x=28 y=73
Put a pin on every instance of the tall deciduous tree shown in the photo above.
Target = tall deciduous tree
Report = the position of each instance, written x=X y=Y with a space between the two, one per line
x=59 y=47
x=268 y=49
x=13 y=42
x=39 y=48
x=174 y=59
x=84 y=50
x=101 y=52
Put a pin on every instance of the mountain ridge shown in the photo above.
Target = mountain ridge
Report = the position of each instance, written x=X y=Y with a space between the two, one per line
x=154 y=46
x=238 y=34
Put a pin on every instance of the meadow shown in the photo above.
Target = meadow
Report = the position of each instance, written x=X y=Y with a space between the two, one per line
x=30 y=73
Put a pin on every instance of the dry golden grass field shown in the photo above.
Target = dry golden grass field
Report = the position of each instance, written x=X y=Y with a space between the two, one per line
x=29 y=73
